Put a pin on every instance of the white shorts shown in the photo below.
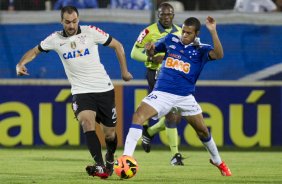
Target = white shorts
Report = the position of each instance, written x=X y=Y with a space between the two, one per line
x=165 y=102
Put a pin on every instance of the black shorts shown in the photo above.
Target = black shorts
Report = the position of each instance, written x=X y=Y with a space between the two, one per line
x=151 y=78
x=102 y=103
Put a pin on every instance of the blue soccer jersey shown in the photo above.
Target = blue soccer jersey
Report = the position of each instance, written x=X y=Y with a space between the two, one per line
x=181 y=66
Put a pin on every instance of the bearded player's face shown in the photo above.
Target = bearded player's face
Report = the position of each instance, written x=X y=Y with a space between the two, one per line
x=70 y=23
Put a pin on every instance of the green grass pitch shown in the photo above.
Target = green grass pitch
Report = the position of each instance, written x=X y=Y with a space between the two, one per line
x=68 y=166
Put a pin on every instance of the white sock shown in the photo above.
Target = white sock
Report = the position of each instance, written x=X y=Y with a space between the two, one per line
x=134 y=134
x=212 y=149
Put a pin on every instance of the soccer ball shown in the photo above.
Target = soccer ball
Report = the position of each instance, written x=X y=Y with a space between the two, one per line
x=125 y=167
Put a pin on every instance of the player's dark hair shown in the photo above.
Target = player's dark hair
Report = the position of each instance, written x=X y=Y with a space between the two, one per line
x=68 y=9
x=165 y=5
x=192 y=21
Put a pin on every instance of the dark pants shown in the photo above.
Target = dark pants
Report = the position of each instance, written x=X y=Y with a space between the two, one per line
x=151 y=78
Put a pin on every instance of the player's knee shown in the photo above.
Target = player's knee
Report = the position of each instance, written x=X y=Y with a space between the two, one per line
x=87 y=125
x=203 y=133
x=109 y=137
x=138 y=118
x=110 y=134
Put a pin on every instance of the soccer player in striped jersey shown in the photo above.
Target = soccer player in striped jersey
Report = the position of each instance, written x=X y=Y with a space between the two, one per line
x=91 y=86
x=175 y=86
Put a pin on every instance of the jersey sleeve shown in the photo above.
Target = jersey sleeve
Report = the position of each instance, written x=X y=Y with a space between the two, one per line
x=143 y=38
x=161 y=45
x=138 y=52
x=48 y=43
x=100 y=36
x=205 y=50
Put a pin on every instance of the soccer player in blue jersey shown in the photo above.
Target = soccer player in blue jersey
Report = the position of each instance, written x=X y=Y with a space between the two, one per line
x=175 y=86
x=152 y=33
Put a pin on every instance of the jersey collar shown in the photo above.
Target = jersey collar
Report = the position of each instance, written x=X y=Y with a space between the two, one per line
x=78 y=32
x=162 y=29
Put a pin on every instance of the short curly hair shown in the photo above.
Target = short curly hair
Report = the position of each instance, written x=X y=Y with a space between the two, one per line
x=68 y=9
x=192 y=21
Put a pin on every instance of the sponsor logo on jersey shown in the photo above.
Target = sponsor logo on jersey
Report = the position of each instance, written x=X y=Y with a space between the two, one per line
x=177 y=64
x=76 y=54
x=176 y=56
x=174 y=39
x=172 y=46
x=142 y=35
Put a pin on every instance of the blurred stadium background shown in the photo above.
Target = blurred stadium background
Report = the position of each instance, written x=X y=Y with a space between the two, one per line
x=241 y=94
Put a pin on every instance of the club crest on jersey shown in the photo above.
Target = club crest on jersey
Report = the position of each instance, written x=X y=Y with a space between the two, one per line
x=76 y=54
x=82 y=39
x=177 y=64
x=73 y=45
x=74 y=106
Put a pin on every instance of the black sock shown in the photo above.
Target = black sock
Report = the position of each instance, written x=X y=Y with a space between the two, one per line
x=94 y=146
x=111 y=145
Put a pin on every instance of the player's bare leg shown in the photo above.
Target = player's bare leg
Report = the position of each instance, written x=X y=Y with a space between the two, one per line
x=87 y=121
x=143 y=113
x=197 y=122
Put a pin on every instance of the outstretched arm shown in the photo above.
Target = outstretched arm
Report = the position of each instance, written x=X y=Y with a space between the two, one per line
x=217 y=52
x=27 y=57
x=138 y=54
x=117 y=46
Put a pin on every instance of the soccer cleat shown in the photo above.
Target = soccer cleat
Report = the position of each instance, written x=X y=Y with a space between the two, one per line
x=223 y=168
x=146 y=139
x=97 y=170
x=109 y=163
x=177 y=160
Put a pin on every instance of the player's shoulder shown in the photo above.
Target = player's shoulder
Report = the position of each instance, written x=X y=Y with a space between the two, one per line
x=177 y=30
x=55 y=35
x=177 y=27
x=89 y=28
x=172 y=37
x=152 y=27
x=204 y=45
x=146 y=34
